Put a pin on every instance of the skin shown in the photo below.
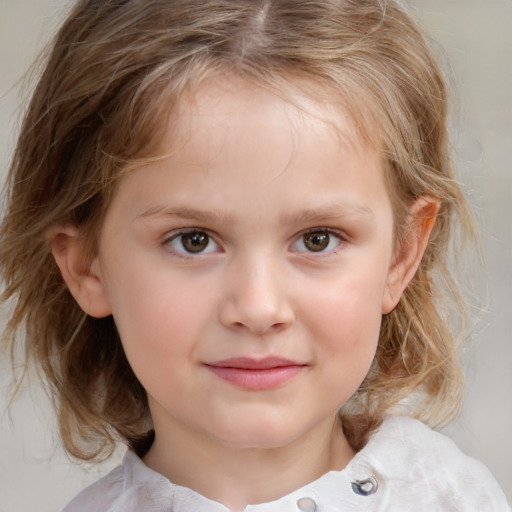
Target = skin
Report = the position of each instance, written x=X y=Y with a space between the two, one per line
x=255 y=176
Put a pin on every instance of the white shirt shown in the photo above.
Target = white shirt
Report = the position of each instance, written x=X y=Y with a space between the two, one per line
x=405 y=466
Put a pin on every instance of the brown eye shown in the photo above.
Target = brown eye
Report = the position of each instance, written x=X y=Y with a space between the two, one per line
x=193 y=242
x=316 y=241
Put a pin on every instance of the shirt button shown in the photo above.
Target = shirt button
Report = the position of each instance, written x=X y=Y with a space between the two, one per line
x=306 y=505
x=365 y=487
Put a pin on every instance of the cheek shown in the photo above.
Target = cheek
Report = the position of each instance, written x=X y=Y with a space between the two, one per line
x=346 y=323
x=159 y=320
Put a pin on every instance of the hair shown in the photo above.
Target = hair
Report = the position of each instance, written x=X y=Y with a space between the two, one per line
x=115 y=72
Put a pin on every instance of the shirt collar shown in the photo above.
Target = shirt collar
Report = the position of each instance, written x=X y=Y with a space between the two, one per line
x=358 y=485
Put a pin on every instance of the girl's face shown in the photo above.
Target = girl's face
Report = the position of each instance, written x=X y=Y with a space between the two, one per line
x=247 y=271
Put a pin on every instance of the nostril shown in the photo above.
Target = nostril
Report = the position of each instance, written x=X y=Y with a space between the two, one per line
x=260 y=330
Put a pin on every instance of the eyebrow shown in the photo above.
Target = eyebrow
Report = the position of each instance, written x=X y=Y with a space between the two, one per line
x=310 y=215
x=332 y=211
x=188 y=213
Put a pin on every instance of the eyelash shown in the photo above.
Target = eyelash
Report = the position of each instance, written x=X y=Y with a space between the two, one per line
x=323 y=231
x=183 y=252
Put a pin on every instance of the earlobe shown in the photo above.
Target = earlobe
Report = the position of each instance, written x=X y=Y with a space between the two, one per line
x=420 y=222
x=83 y=279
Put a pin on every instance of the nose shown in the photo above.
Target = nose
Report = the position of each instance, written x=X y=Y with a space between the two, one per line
x=256 y=297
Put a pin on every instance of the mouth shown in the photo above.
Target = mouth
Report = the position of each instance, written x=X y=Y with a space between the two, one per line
x=256 y=374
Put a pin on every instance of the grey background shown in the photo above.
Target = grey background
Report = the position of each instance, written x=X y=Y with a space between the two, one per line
x=475 y=37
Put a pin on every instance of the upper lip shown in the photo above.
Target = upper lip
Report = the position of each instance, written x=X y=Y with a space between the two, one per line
x=249 y=363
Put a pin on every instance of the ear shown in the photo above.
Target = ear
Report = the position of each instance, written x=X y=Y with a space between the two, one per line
x=82 y=278
x=407 y=258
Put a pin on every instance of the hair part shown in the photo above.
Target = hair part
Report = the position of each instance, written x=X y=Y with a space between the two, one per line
x=116 y=72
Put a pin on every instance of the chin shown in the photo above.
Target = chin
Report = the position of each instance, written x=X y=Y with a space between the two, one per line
x=261 y=436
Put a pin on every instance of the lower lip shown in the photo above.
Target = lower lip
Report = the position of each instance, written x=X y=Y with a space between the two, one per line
x=257 y=379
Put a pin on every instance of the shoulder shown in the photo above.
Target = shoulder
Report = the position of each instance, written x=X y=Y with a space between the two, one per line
x=423 y=466
x=129 y=487
x=100 y=495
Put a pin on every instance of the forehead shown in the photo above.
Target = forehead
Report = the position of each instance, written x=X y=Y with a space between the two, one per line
x=229 y=102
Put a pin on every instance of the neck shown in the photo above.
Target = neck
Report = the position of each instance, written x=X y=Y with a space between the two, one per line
x=238 y=476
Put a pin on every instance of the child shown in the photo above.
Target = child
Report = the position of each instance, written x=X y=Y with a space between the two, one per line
x=226 y=238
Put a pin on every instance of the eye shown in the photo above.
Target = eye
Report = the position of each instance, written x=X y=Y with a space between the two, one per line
x=317 y=240
x=192 y=242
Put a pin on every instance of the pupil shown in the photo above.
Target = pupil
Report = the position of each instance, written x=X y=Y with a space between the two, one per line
x=316 y=241
x=195 y=242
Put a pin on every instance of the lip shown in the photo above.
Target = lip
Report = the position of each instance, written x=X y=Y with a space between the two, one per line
x=256 y=374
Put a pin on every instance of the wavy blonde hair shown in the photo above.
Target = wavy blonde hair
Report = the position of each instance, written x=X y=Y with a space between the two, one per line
x=115 y=73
